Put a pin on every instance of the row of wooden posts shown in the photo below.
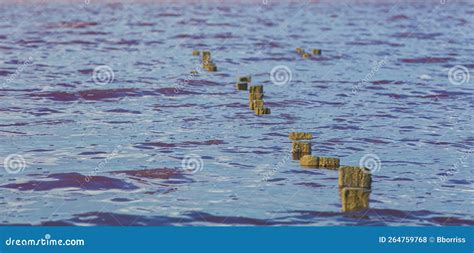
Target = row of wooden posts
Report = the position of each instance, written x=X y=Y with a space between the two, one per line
x=354 y=182
x=207 y=62
x=256 y=102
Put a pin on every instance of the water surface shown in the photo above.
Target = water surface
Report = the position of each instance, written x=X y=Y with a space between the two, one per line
x=111 y=153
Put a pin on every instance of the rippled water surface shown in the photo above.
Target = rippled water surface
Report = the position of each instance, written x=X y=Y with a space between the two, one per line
x=111 y=153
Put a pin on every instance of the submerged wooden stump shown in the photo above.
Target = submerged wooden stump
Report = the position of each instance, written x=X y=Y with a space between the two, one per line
x=245 y=79
x=207 y=62
x=256 y=89
x=354 y=199
x=328 y=162
x=241 y=86
x=256 y=97
x=256 y=100
x=316 y=51
x=258 y=104
x=309 y=161
x=254 y=104
x=262 y=111
x=319 y=162
x=300 y=136
x=206 y=56
x=297 y=156
x=359 y=177
x=209 y=66
x=300 y=149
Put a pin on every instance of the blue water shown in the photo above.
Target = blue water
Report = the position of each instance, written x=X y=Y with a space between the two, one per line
x=111 y=153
